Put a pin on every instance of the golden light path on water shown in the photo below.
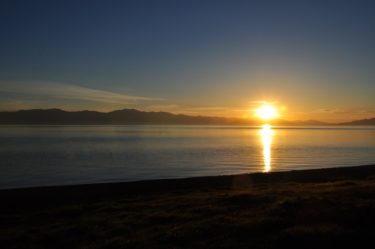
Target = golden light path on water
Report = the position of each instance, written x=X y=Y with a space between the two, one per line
x=266 y=134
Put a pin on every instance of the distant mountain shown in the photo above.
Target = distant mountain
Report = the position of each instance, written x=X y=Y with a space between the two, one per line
x=370 y=121
x=133 y=116
x=125 y=116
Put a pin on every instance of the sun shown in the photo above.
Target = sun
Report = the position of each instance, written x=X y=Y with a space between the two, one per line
x=267 y=112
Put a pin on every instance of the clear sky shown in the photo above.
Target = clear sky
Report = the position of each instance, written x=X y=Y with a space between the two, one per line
x=316 y=59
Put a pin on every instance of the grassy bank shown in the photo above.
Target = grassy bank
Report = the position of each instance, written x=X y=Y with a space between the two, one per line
x=323 y=208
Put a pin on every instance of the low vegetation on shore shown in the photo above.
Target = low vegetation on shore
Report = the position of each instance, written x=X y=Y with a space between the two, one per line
x=328 y=208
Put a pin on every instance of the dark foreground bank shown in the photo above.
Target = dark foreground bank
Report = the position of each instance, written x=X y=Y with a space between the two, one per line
x=325 y=208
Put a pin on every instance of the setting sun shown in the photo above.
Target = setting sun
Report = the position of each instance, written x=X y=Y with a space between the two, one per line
x=266 y=112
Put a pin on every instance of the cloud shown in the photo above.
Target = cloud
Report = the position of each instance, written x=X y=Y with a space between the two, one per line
x=222 y=111
x=331 y=111
x=62 y=91
x=163 y=107
x=210 y=108
x=337 y=111
x=15 y=95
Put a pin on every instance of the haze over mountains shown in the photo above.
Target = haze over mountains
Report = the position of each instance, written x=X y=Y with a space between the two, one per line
x=133 y=116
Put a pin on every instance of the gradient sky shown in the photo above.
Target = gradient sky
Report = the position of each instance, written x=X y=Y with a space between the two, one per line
x=315 y=58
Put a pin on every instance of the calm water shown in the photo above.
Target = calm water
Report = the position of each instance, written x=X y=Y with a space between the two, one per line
x=59 y=155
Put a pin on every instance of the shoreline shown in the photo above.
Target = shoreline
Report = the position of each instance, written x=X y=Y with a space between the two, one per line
x=296 y=172
x=111 y=189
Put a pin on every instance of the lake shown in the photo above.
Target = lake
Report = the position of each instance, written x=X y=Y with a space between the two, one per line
x=44 y=155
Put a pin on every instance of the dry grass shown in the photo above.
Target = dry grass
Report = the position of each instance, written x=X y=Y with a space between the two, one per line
x=285 y=212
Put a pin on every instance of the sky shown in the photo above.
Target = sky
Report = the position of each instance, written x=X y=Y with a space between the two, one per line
x=312 y=59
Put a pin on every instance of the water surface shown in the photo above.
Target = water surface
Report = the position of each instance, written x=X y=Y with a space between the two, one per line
x=61 y=155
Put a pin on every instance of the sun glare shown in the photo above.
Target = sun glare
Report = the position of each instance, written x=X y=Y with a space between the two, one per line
x=266 y=134
x=266 y=112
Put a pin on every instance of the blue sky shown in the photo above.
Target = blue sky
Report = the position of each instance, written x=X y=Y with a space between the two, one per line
x=220 y=58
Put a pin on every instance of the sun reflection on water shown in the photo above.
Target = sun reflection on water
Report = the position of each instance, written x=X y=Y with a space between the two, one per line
x=266 y=134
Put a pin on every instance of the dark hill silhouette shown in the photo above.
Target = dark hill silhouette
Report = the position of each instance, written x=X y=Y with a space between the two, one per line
x=125 y=116
x=370 y=121
x=133 y=116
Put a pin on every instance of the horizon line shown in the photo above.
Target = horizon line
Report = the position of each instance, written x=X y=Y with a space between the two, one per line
x=182 y=114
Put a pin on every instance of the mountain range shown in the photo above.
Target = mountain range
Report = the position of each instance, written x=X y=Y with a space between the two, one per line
x=133 y=116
